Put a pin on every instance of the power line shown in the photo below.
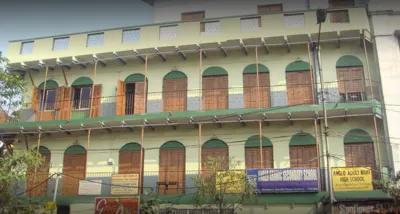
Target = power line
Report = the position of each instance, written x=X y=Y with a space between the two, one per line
x=30 y=189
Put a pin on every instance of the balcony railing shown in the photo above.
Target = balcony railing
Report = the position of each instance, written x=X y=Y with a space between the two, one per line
x=207 y=99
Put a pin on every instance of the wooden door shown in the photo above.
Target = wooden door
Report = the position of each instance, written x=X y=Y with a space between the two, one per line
x=299 y=88
x=174 y=95
x=303 y=156
x=140 y=98
x=74 y=169
x=250 y=90
x=213 y=152
x=172 y=172
x=252 y=157
x=129 y=162
x=215 y=92
x=360 y=155
x=34 y=179
x=121 y=98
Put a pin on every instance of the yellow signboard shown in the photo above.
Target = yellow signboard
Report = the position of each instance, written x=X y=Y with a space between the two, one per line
x=351 y=179
x=125 y=184
x=231 y=181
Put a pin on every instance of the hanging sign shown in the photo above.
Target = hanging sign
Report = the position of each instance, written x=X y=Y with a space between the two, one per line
x=117 y=205
x=284 y=180
x=124 y=184
x=89 y=187
x=351 y=179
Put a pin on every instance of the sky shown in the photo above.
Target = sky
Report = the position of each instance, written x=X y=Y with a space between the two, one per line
x=24 y=19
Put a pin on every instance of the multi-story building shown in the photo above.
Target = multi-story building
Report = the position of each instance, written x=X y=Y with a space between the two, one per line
x=157 y=100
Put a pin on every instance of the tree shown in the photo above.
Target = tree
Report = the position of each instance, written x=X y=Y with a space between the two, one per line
x=12 y=86
x=13 y=169
x=222 y=189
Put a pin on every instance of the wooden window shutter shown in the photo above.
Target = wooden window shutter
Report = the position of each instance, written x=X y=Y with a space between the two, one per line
x=250 y=90
x=96 y=101
x=193 y=16
x=140 y=98
x=33 y=179
x=303 y=156
x=35 y=99
x=270 y=8
x=121 y=98
x=65 y=112
x=172 y=171
x=202 y=27
x=341 y=3
x=59 y=97
x=174 y=95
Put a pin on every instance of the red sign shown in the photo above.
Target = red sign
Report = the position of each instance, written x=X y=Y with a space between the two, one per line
x=117 y=205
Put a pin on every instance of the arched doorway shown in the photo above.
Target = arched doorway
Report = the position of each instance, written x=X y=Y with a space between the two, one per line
x=129 y=159
x=131 y=95
x=215 y=89
x=252 y=153
x=350 y=75
x=174 y=92
x=74 y=169
x=171 y=178
x=214 y=148
x=359 y=149
x=303 y=151
x=42 y=173
x=251 y=97
x=299 y=83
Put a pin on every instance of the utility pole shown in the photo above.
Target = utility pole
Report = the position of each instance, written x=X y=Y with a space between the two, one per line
x=321 y=17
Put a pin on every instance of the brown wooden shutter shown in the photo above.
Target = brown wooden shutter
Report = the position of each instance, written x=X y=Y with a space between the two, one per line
x=202 y=27
x=303 y=156
x=96 y=101
x=140 y=98
x=270 y=8
x=298 y=86
x=351 y=82
x=360 y=155
x=74 y=166
x=172 y=172
x=121 y=98
x=59 y=97
x=174 y=95
x=250 y=90
x=32 y=179
x=341 y=3
x=215 y=92
x=129 y=162
x=35 y=99
x=252 y=157
x=65 y=111
x=213 y=152
x=192 y=16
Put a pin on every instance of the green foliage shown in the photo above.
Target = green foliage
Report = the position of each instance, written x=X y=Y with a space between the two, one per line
x=221 y=188
x=13 y=169
x=390 y=187
x=150 y=206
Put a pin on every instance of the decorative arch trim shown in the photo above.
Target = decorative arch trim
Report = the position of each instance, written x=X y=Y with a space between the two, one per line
x=171 y=145
x=348 y=61
x=214 y=143
x=132 y=146
x=302 y=139
x=357 y=136
x=82 y=81
x=43 y=150
x=214 y=71
x=135 y=78
x=49 y=85
x=298 y=66
x=76 y=149
x=252 y=69
x=254 y=142
x=175 y=75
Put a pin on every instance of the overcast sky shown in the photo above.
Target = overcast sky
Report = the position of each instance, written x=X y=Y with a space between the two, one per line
x=23 y=19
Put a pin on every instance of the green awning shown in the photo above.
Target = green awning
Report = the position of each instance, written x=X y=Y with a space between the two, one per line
x=175 y=75
x=135 y=78
x=252 y=69
x=214 y=143
x=50 y=84
x=254 y=141
x=298 y=66
x=357 y=136
x=131 y=147
x=214 y=71
x=82 y=81
x=302 y=139
x=348 y=61
x=172 y=145
x=75 y=150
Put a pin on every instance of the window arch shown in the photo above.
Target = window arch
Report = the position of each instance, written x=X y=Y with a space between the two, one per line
x=252 y=152
x=174 y=92
x=350 y=75
x=299 y=83
x=131 y=95
x=214 y=148
x=303 y=151
x=172 y=162
x=75 y=166
x=251 y=97
x=215 y=88
x=33 y=179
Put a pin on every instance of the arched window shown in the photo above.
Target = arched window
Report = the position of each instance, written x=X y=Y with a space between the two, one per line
x=49 y=94
x=299 y=83
x=359 y=149
x=303 y=151
x=214 y=148
x=215 y=88
x=74 y=169
x=129 y=159
x=44 y=100
x=131 y=95
x=33 y=179
x=251 y=96
x=171 y=178
x=350 y=75
x=174 y=92
x=252 y=153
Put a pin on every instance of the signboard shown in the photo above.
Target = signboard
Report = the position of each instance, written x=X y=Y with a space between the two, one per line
x=365 y=208
x=284 y=180
x=125 y=184
x=90 y=188
x=351 y=179
x=115 y=205
x=231 y=181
